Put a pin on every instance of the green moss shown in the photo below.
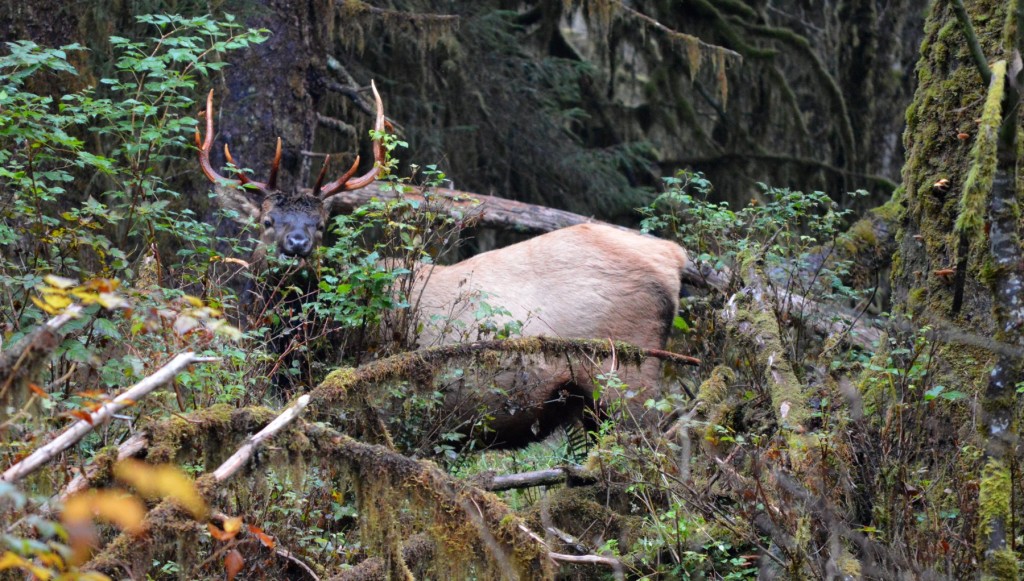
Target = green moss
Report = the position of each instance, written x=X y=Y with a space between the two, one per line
x=994 y=494
x=994 y=504
x=916 y=297
x=1001 y=565
x=989 y=272
x=716 y=387
x=892 y=211
x=971 y=219
x=787 y=393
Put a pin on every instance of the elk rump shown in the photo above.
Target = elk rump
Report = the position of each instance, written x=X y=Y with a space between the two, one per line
x=588 y=281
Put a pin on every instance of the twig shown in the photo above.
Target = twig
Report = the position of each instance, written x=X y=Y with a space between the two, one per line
x=335 y=124
x=82 y=427
x=675 y=34
x=972 y=41
x=295 y=561
x=242 y=455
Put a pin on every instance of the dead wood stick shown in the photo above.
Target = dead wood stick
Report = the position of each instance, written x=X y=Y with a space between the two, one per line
x=615 y=564
x=79 y=429
x=242 y=455
x=534 y=478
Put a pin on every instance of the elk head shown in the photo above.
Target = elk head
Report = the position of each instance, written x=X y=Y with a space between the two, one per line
x=293 y=220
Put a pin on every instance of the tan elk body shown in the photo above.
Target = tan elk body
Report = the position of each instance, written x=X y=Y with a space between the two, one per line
x=588 y=281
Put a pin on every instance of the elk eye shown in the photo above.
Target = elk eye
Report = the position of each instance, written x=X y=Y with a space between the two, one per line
x=268 y=222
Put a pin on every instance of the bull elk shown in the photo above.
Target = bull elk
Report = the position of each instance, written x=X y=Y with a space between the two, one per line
x=584 y=281
x=292 y=221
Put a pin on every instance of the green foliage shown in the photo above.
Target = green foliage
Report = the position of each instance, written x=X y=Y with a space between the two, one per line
x=86 y=215
x=794 y=233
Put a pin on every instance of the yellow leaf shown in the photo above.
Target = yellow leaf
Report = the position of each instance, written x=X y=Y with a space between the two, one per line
x=59 y=281
x=114 y=506
x=87 y=296
x=233 y=524
x=52 y=560
x=111 y=301
x=225 y=329
x=164 y=481
x=10 y=560
x=52 y=303
x=237 y=261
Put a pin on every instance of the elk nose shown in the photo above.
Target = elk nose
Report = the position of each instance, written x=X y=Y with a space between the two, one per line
x=297 y=244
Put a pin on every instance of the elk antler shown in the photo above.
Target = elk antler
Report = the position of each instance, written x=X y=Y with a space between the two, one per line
x=204 y=157
x=346 y=182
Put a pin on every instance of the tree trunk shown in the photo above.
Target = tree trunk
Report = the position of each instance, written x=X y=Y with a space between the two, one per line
x=959 y=257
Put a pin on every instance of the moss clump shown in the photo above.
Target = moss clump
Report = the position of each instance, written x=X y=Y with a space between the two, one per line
x=994 y=494
x=589 y=512
x=893 y=210
x=1001 y=565
x=715 y=388
x=859 y=237
x=994 y=505
x=916 y=298
x=971 y=220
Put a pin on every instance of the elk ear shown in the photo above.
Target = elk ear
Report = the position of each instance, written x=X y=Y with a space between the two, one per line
x=243 y=202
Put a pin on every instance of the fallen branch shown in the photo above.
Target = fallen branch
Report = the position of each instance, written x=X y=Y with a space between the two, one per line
x=750 y=314
x=615 y=564
x=131 y=448
x=502 y=214
x=242 y=455
x=345 y=383
x=535 y=478
x=79 y=429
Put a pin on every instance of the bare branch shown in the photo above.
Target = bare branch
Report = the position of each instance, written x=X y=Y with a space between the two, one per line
x=82 y=427
x=675 y=34
x=615 y=564
x=535 y=478
x=131 y=447
x=242 y=455
x=972 y=42
x=336 y=124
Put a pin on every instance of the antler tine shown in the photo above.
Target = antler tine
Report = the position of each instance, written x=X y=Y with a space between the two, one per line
x=320 y=178
x=205 y=145
x=272 y=182
x=345 y=182
x=332 y=187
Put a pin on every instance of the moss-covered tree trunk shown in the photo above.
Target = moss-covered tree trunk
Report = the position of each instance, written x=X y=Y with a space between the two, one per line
x=958 y=265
